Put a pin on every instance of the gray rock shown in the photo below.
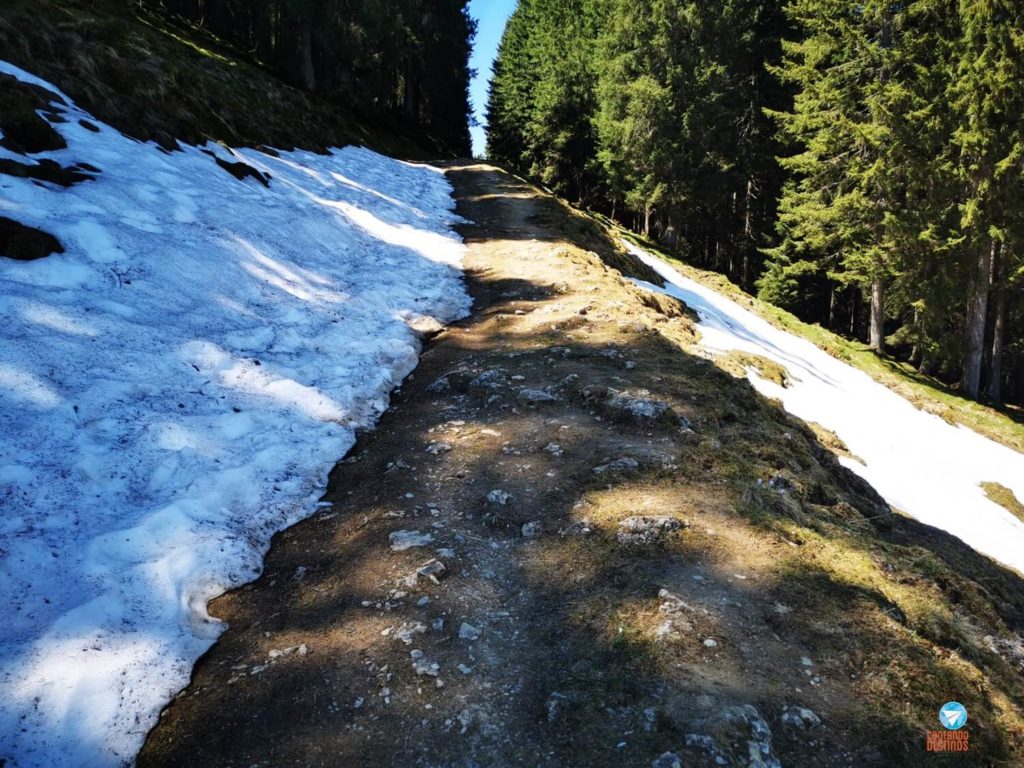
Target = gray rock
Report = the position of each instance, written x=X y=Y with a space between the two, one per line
x=647 y=529
x=577 y=528
x=532 y=530
x=402 y=540
x=667 y=760
x=439 y=447
x=469 y=632
x=800 y=718
x=490 y=380
x=406 y=632
x=421 y=666
x=625 y=464
x=440 y=386
x=736 y=736
x=434 y=570
x=528 y=395
x=499 y=497
x=639 y=406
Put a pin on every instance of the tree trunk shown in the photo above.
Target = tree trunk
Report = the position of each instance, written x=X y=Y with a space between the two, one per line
x=410 y=105
x=977 y=312
x=307 y=76
x=748 y=235
x=647 y=221
x=995 y=380
x=877 y=322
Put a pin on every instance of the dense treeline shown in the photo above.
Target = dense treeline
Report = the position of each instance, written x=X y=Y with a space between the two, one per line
x=383 y=58
x=861 y=164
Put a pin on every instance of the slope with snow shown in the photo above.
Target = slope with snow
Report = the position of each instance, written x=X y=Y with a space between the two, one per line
x=919 y=463
x=174 y=389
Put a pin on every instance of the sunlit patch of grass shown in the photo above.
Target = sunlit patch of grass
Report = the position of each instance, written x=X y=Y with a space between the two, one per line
x=738 y=363
x=1005 y=498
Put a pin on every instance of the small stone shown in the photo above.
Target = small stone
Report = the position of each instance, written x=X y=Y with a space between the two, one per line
x=402 y=540
x=625 y=464
x=800 y=718
x=406 y=632
x=667 y=760
x=464 y=669
x=439 y=447
x=489 y=380
x=554 y=449
x=469 y=632
x=423 y=667
x=528 y=395
x=531 y=530
x=423 y=601
x=499 y=497
x=710 y=643
x=437 y=624
x=440 y=386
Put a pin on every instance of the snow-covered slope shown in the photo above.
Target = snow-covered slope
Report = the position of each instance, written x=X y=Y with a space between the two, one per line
x=919 y=463
x=173 y=390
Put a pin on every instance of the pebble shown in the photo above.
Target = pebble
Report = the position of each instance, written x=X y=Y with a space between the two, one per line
x=469 y=632
x=528 y=395
x=436 y=448
x=499 y=497
x=423 y=667
x=625 y=464
x=406 y=632
x=298 y=650
x=667 y=760
x=800 y=718
x=531 y=530
x=402 y=540
x=710 y=643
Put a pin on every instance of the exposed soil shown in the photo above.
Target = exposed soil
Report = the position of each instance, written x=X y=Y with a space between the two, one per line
x=634 y=546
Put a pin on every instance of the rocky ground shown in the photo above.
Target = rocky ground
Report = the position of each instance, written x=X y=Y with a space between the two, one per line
x=574 y=541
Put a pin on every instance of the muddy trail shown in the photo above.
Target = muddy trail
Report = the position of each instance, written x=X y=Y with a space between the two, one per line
x=574 y=541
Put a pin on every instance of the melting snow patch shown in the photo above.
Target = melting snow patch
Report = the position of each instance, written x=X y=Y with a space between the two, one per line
x=174 y=389
x=920 y=464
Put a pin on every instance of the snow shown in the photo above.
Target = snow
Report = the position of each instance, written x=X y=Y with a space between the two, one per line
x=919 y=463
x=174 y=389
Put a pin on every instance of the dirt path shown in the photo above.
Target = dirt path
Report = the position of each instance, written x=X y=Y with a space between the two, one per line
x=578 y=589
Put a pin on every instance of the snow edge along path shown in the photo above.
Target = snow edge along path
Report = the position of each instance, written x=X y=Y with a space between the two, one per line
x=174 y=389
x=919 y=463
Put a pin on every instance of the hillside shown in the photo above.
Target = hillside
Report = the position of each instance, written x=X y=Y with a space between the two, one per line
x=584 y=543
x=155 y=76
x=321 y=448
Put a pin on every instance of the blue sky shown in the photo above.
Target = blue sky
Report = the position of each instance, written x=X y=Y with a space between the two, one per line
x=491 y=16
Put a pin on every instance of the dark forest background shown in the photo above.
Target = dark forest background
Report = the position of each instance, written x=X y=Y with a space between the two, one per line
x=860 y=164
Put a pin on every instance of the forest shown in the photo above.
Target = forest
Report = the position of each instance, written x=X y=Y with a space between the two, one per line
x=401 y=58
x=861 y=165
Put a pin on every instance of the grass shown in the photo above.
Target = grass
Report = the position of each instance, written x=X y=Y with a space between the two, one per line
x=738 y=363
x=1005 y=498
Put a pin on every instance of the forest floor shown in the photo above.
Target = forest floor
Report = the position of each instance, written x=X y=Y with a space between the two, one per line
x=573 y=541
